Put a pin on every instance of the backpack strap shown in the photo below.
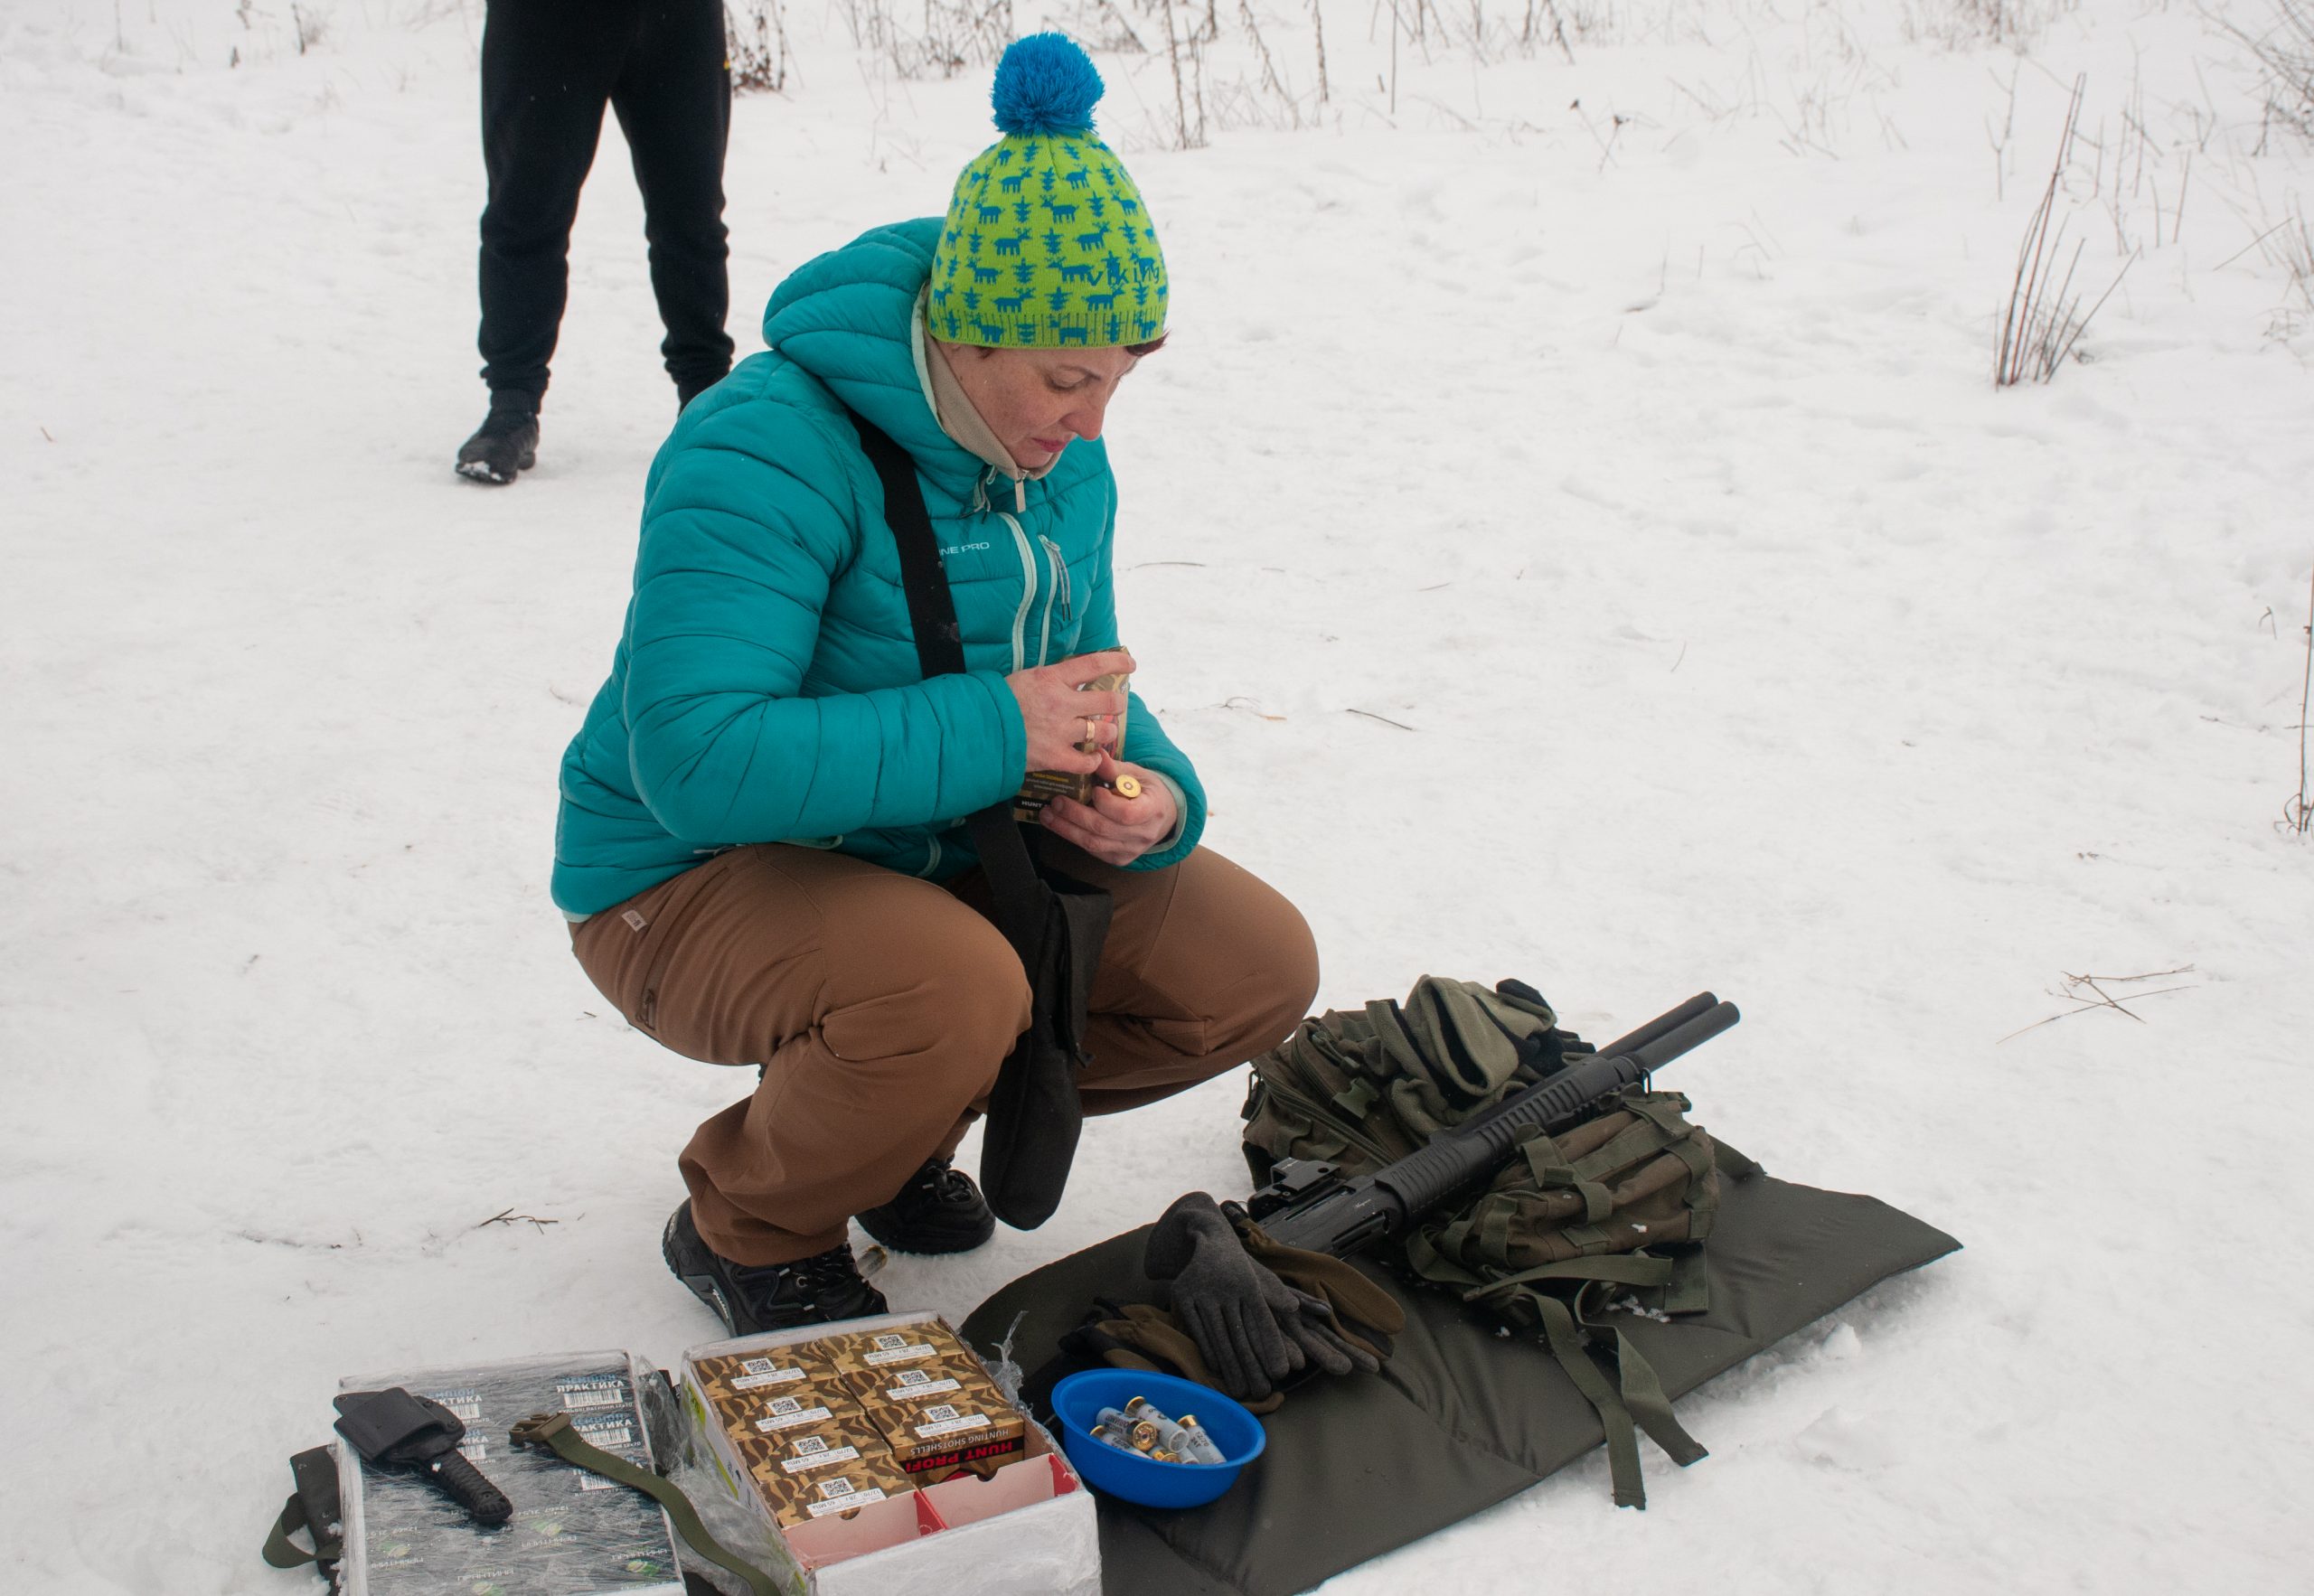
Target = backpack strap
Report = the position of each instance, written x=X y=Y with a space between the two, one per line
x=1635 y=1400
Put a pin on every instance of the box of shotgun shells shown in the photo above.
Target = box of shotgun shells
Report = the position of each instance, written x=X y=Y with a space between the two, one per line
x=933 y=1440
x=855 y=1442
x=918 y=1384
x=874 y=1352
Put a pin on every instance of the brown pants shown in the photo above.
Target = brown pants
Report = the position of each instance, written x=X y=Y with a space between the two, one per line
x=880 y=1007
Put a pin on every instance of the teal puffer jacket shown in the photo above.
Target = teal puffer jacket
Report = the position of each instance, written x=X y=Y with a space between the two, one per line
x=765 y=689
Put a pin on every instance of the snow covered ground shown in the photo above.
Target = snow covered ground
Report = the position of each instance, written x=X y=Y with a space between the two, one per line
x=1573 y=527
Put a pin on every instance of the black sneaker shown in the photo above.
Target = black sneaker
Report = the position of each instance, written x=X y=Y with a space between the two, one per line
x=506 y=442
x=940 y=1210
x=814 y=1291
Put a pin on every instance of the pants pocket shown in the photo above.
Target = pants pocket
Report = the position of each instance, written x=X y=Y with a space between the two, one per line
x=626 y=949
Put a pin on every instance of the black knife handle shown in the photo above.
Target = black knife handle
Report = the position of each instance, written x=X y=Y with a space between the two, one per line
x=469 y=1489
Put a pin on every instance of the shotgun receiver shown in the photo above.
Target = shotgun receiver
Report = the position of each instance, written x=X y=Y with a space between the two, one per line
x=1314 y=1206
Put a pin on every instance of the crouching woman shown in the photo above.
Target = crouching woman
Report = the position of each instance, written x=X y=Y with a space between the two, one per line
x=761 y=845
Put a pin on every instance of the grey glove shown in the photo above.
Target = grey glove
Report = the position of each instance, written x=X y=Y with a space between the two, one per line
x=1249 y=1324
x=1320 y=1336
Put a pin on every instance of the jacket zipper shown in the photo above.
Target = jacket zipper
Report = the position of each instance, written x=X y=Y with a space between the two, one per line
x=1060 y=583
x=1057 y=591
x=1027 y=594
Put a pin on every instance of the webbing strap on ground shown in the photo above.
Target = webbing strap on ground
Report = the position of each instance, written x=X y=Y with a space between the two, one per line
x=281 y=1551
x=1627 y=1269
x=1568 y=1345
x=553 y=1431
x=313 y=1509
x=1643 y=1393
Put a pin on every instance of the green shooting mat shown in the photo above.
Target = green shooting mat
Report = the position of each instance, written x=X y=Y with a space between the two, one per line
x=1460 y=1418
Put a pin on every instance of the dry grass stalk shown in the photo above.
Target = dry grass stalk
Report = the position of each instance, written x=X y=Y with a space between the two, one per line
x=757 y=52
x=2298 y=814
x=1318 y=28
x=1271 y=82
x=2284 y=51
x=2044 y=319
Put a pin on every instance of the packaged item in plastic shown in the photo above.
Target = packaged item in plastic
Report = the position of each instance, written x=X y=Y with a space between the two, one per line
x=571 y=1532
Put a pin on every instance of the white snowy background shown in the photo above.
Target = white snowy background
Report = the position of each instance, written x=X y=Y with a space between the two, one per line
x=1574 y=528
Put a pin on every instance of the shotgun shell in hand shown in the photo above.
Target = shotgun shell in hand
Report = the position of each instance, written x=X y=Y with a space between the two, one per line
x=1126 y=786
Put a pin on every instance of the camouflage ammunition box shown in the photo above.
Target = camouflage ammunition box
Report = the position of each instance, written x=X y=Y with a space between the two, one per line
x=780 y=1457
x=932 y=1440
x=975 y=1480
x=812 y=1407
x=814 y=1494
x=777 y=1372
x=914 y=1385
x=876 y=1351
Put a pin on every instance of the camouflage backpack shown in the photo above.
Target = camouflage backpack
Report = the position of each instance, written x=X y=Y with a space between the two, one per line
x=1573 y=1235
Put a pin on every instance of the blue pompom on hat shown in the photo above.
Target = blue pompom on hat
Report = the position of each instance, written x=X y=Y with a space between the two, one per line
x=1046 y=243
x=1045 y=84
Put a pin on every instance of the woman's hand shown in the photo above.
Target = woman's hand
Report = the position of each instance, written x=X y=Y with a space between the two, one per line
x=1113 y=830
x=1059 y=716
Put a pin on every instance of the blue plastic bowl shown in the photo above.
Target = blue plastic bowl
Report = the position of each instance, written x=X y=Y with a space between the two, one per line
x=1078 y=1402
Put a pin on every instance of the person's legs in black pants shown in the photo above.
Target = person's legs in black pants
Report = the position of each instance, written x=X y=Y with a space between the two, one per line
x=547 y=70
x=673 y=102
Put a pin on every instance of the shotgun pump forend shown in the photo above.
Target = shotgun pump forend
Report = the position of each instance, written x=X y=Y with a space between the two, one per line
x=1314 y=1206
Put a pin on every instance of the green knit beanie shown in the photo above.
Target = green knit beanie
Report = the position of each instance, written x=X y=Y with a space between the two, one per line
x=1047 y=245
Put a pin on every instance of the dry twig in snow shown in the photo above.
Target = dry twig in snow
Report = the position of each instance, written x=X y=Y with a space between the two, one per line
x=508 y=1216
x=2076 y=984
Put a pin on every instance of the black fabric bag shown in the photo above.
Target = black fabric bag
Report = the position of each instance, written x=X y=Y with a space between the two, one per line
x=1055 y=923
x=1034 y=1114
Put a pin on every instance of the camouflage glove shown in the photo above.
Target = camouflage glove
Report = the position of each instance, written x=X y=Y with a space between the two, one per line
x=1139 y=1336
x=1237 y=1313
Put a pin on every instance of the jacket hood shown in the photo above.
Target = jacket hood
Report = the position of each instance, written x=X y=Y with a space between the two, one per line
x=847 y=318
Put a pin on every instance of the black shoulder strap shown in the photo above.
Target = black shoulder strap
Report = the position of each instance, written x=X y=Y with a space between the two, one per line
x=1005 y=858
